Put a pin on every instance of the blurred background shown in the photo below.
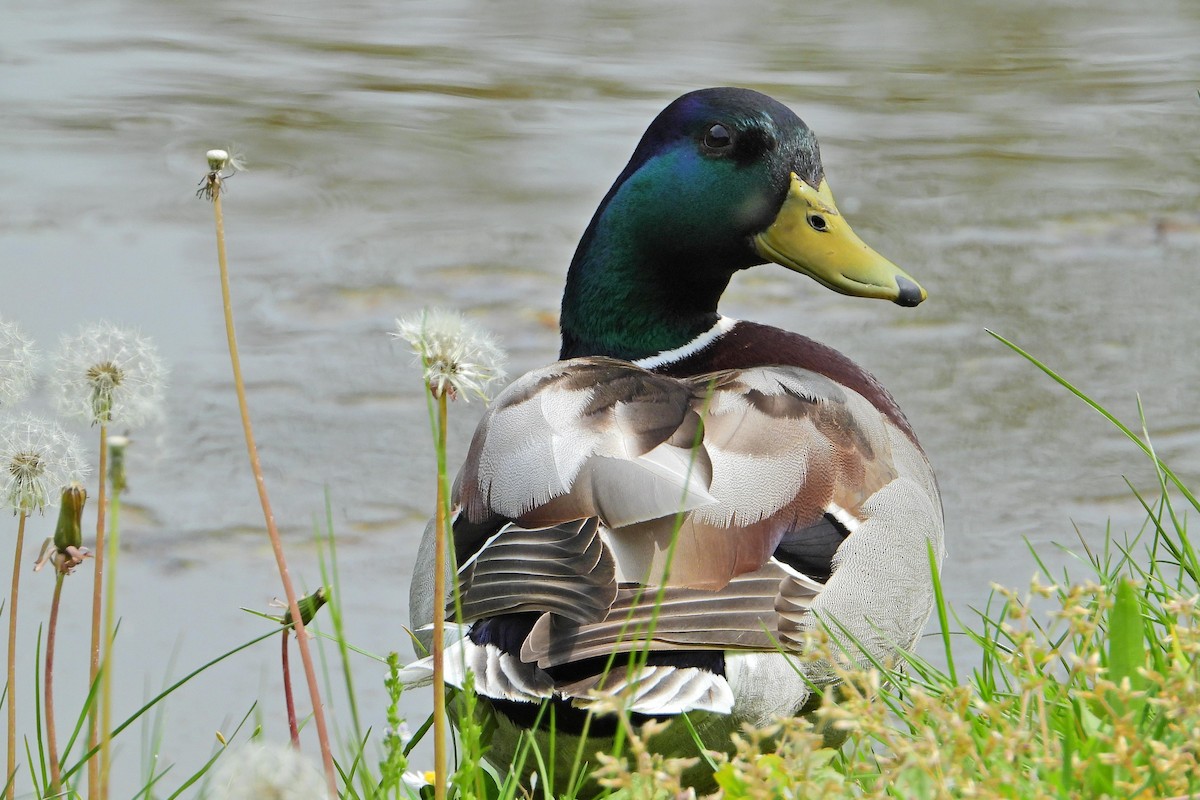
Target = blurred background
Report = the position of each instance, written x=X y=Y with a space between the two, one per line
x=1033 y=164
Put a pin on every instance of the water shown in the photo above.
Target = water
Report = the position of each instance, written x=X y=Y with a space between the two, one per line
x=1032 y=164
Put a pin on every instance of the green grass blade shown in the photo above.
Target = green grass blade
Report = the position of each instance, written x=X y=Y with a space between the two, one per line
x=37 y=710
x=943 y=618
x=1126 y=637
x=79 y=724
x=67 y=773
x=203 y=771
x=151 y=781
x=1102 y=411
x=331 y=576
x=418 y=735
x=700 y=748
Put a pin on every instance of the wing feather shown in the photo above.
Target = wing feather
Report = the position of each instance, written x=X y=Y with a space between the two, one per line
x=572 y=493
x=741 y=615
x=565 y=570
x=655 y=690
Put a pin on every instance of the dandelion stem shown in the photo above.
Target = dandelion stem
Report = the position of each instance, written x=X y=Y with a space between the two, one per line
x=11 y=768
x=48 y=687
x=114 y=547
x=456 y=360
x=95 y=790
x=288 y=699
x=269 y=516
x=439 y=612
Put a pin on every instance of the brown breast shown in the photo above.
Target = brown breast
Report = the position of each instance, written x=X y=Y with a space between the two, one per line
x=749 y=344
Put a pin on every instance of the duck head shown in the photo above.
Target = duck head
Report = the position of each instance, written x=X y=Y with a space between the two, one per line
x=722 y=180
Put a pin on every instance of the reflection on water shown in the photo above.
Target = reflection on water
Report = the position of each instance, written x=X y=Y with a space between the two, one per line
x=1032 y=164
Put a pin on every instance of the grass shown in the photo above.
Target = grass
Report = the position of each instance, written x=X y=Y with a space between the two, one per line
x=1085 y=684
x=1086 y=687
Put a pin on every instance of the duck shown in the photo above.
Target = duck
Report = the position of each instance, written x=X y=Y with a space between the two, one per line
x=664 y=517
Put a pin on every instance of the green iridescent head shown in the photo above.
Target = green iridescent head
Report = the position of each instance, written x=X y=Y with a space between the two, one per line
x=722 y=180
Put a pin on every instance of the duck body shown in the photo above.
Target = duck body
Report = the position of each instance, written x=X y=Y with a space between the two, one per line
x=663 y=516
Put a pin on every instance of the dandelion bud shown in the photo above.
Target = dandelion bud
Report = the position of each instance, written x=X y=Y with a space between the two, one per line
x=309 y=605
x=217 y=159
x=66 y=549
x=69 y=532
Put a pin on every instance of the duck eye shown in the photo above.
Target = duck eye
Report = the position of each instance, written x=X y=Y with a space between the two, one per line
x=718 y=137
x=818 y=222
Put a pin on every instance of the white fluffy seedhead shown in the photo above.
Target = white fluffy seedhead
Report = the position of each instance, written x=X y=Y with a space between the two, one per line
x=268 y=771
x=456 y=355
x=109 y=374
x=37 y=459
x=18 y=364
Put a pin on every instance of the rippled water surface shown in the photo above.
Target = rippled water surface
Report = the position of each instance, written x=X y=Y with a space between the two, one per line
x=1034 y=165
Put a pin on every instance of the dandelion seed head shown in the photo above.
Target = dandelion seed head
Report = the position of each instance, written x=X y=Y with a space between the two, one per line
x=109 y=374
x=457 y=356
x=37 y=459
x=218 y=160
x=237 y=160
x=18 y=362
x=268 y=771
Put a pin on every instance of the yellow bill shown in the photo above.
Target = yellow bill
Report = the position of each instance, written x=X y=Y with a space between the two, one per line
x=810 y=235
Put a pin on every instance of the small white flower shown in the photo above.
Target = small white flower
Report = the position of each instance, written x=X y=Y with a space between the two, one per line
x=109 y=374
x=268 y=772
x=457 y=357
x=415 y=780
x=37 y=459
x=18 y=359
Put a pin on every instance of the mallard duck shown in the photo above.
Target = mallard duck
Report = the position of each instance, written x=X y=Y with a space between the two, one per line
x=695 y=488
